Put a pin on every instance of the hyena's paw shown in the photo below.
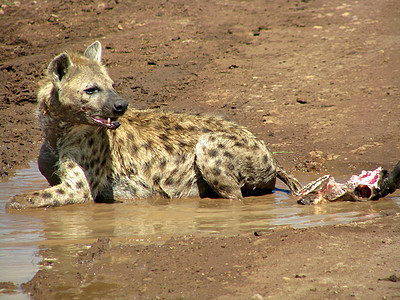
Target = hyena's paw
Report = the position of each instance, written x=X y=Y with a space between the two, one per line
x=24 y=201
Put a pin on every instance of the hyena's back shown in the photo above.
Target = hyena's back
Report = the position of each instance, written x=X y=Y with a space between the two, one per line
x=179 y=155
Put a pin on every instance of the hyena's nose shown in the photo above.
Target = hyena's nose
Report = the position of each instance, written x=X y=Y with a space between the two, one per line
x=120 y=107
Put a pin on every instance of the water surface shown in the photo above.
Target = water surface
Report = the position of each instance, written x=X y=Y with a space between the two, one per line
x=24 y=233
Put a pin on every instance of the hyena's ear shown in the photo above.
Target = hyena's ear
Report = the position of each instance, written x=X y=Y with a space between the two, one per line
x=94 y=51
x=59 y=67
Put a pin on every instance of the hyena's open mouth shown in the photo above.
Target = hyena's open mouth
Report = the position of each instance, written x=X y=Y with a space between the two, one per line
x=110 y=122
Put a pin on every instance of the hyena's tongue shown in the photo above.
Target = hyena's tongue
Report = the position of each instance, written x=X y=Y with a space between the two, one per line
x=110 y=123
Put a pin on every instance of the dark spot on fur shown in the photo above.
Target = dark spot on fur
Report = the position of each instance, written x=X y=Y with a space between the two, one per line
x=47 y=195
x=232 y=137
x=213 y=153
x=60 y=191
x=134 y=148
x=181 y=159
x=131 y=172
x=228 y=154
x=192 y=128
x=134 y=190
x=56 y=203
x=215 y=183
x=163 y=163
x=156 y=179
x=178 y=127
x=216 y=171
x=130 y=136
x=164 y=137
x=266 y=158
x=205 y=130
x=255 y=147
x=239 y=144
x=230 y=166
x=169 y=181
x=146 y=165
x=169 y=148
x=36 y=194
x=164 y=118
x=70 y=165
x=79 y=184
x=174 y=172
x=182 y=144
x=148 y=145
x=221 y=146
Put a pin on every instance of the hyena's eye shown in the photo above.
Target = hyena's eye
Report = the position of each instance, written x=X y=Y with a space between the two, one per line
x=92 y=90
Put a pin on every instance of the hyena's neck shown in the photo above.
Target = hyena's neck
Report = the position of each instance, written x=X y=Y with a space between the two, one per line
x=53 y=127
x=54 y=131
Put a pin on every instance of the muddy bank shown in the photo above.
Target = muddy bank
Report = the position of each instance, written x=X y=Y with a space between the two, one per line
x=317 y=80
x=342 y=261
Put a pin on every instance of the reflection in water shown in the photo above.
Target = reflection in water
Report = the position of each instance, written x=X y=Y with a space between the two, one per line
x=60 y=229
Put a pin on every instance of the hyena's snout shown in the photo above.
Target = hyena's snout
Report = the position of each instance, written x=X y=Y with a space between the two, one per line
x=113 y=108
x=119 y=105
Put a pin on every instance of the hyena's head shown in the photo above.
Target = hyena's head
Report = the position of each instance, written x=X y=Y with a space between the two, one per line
x=82 y=91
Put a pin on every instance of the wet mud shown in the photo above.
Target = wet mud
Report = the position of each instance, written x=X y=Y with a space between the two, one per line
x=317 y=80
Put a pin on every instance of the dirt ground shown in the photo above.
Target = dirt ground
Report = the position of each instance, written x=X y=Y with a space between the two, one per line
x=317 y=80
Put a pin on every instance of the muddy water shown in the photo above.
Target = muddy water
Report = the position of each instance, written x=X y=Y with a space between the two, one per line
x=24 y=233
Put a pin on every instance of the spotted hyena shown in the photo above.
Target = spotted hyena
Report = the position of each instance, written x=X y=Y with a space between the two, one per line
x=96 y=149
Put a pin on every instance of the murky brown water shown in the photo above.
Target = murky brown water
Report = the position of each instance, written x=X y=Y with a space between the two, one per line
x=23 y=234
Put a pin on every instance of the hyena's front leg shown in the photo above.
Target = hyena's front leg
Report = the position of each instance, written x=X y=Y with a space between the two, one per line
x=74 y=188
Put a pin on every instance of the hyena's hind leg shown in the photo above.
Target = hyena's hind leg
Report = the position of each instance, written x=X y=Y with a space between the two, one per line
x=234 y=164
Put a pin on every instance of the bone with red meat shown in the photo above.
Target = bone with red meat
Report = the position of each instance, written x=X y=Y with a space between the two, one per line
x=369 y=185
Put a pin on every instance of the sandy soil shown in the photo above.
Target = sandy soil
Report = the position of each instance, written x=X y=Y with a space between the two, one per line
x=317 y=80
